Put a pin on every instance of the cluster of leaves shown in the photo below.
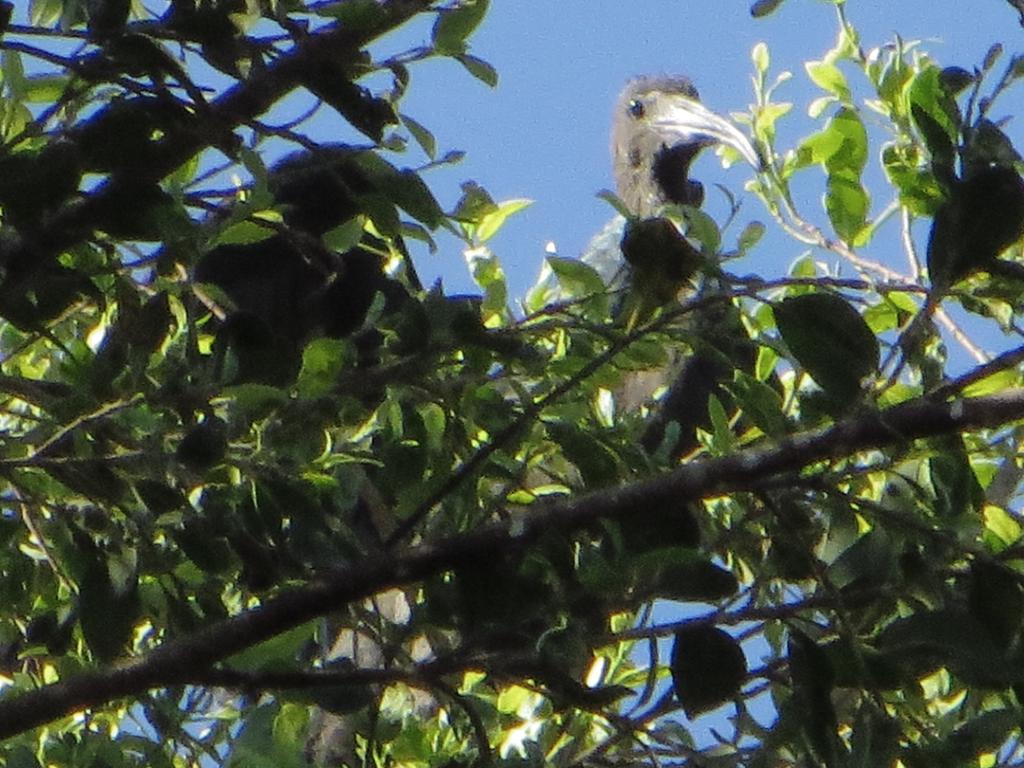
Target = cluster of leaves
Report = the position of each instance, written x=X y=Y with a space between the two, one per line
x=268 y=500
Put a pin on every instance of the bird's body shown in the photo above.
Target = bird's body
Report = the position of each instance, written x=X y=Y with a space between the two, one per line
x=658 y=129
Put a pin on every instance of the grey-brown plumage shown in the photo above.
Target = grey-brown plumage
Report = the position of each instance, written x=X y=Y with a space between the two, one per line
x=658 y=129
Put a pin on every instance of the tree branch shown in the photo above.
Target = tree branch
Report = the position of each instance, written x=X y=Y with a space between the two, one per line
x=179 y=660
x=238 y=105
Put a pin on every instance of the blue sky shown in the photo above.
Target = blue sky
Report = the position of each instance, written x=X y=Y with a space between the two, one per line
x=543 y=132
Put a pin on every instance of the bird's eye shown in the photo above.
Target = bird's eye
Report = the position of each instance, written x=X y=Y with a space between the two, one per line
x=636 y=108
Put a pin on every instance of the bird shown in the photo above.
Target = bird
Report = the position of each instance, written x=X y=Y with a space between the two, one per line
x=659 y=127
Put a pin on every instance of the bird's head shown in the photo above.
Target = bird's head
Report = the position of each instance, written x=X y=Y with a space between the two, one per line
x=659 y=127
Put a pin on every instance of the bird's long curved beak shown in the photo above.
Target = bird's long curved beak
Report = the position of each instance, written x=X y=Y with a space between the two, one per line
x=686 y=120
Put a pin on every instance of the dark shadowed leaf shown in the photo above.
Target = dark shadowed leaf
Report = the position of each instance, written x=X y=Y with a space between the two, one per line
x=957 y=490
x=830 y=339
x=875 y=739
x=984 y=733
x=422 y=135
x=992 y=56
x=353 y=14
x=684 y=574
x=762 y=8
x=955 y=79
x=203 y=445
x=937 y=118
x=478 y=68
x=995 y=599
x=813 y=677
x=950 y=638
x=660 y=520
x=108 y=606
x=596 y=462
x=871 y=559
x=982 y=215
x=708 y=668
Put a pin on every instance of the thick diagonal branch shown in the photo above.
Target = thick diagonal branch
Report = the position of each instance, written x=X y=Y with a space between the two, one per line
x=237 y=106
x=177 y=660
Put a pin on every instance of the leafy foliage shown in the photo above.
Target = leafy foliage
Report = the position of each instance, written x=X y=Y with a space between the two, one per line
x=268 y=500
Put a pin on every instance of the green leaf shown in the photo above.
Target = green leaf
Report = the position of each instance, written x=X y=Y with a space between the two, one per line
x=255 y=401
x=828 y=77
x=759 y=54
x=1001 y=529
x=422 y=136
x=936 y=116
x=489 y=224
x=20 y=756
x=918 y=188
x=276 y=653
x=270 y=738
x=749 y=237
x=354 y=15
x=403 y=188
x=830 y=339
x=434 y=423
x=345 y=236
x=323 y=361
x=869 y=560
x=14 y=74
x=759 y=403
x=488 y=274
x=615 y=202
x=703 y=228
x=454 y=25
x=199 y=543
x=576 y=277
x=474 y=204
x=478 y=68
x=842 y=148
x=45 y=89
x=997 y=382
x=596 y=462
x=247 y=231
x=847 y=204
